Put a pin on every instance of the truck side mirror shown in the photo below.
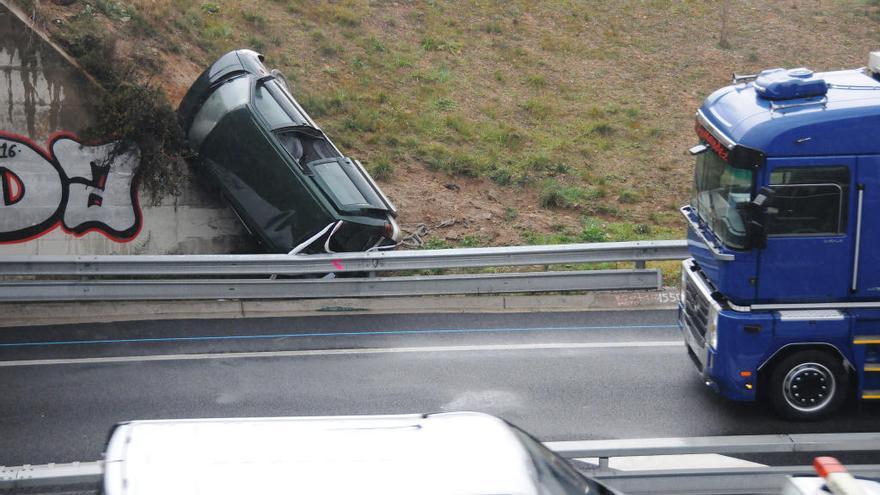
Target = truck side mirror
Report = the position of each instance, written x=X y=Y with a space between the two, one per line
x=756 y=227
x=763 y=198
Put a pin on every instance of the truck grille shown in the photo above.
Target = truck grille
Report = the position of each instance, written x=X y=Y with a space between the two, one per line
x=696 y=310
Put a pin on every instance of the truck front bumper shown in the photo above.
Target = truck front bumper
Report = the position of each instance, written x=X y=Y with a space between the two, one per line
x=702 y=321
x=702 y=355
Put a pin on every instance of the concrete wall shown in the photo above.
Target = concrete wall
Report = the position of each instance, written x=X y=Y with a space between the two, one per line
x=52 y=201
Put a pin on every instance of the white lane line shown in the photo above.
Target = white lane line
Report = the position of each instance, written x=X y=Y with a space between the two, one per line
x=338 y=352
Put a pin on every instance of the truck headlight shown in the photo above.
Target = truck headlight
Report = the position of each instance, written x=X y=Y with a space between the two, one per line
x=712 y=328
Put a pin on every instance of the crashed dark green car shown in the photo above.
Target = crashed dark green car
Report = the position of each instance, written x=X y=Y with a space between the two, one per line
x=288 y=183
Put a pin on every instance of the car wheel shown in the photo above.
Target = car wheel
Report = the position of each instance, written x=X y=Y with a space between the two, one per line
x=807 y=385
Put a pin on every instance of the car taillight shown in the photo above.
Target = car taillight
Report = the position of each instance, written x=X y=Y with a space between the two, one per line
x=389 y=230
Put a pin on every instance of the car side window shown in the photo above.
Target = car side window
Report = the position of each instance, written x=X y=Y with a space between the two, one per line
x=305 y=148
x=808 y=201
x=269 y=108
x=292 y=143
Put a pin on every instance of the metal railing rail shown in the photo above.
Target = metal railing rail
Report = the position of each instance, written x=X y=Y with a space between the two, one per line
x=738 y=444
x=29 y=476
x=140 y=278
x=41 y=475
x=180 y=289
x=755 y=480
x=375 y=261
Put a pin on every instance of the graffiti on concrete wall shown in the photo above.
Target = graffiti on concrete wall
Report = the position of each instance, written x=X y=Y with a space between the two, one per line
x=68 y=185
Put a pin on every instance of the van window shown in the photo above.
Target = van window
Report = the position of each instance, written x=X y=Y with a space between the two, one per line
x=808 y=201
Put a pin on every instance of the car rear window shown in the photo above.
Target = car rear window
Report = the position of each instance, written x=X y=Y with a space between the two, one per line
x=339 y=184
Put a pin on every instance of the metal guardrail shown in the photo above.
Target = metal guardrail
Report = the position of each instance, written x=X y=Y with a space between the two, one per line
x=375 y=261
x=145 y=290
x=30 y=476
x=654 y=481
x=51 y=278
x=757 y=480
x=739 y=444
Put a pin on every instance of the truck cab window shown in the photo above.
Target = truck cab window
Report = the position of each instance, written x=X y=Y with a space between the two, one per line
x=808 y=201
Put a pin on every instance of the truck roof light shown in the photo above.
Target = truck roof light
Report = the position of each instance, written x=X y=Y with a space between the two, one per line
x=712 y=142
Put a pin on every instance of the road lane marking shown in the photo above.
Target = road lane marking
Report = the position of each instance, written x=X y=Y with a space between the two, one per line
x=333 y=334
x=340 y=352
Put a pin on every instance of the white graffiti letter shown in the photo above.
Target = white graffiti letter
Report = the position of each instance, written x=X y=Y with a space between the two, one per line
x=101 y=193
x=31 y=191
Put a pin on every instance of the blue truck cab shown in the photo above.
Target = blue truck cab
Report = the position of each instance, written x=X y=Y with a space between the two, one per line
x=780 y=299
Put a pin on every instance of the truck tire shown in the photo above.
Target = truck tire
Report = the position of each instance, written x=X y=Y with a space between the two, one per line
x=807 y=386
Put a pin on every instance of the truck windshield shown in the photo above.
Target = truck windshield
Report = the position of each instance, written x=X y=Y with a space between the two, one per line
x=720 y=194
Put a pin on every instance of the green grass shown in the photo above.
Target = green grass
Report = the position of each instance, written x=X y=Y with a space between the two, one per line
x=585 y=107
x=598 y=230
x=382 y=170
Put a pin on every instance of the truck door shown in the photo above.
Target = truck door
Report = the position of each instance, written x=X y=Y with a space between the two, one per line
x=867 y=282
x=808 y=256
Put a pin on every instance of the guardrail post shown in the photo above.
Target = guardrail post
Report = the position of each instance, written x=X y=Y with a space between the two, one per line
x=640 y=265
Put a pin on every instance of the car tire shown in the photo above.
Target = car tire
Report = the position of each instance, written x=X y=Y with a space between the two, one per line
x=807 y=386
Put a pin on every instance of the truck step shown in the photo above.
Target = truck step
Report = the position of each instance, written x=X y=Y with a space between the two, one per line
x=871 y=394
x=866 y=339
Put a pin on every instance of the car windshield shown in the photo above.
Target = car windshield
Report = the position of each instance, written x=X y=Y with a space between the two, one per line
x=553 y=473
x=720 y=193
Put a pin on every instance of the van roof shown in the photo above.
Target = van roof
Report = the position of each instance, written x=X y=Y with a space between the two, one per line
x=451 y=453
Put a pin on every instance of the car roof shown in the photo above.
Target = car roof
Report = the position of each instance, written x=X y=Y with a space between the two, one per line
x=449 y=453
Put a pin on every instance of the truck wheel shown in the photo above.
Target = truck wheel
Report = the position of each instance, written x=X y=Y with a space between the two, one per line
x=807 y=385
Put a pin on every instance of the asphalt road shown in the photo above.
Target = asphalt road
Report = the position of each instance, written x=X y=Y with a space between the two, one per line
x=562 y=376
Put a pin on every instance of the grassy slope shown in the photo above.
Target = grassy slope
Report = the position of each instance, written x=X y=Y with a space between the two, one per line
x=559 y=121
